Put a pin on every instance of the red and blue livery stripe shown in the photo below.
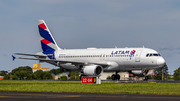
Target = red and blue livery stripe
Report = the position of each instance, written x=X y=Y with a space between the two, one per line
x=46 y=38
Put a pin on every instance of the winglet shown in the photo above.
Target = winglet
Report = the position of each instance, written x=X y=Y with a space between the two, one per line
x=13 y=57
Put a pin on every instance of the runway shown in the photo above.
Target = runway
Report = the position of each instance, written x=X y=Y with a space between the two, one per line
x=49 y=96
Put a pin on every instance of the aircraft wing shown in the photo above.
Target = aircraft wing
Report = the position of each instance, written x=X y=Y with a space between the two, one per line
x=43 y=58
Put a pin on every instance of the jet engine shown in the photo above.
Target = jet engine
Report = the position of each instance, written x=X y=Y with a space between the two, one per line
x=93 y=70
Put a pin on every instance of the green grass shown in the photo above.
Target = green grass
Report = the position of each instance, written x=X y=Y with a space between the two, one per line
x=36 y=81
x=105 y=87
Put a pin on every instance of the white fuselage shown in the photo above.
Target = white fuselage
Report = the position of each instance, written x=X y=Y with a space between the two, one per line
x=117 y=59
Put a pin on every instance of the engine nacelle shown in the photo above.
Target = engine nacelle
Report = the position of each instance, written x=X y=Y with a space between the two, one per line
x=93 y=70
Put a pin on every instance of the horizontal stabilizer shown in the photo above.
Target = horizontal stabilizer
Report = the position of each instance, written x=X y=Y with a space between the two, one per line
x=13 y=57
x=42 y=56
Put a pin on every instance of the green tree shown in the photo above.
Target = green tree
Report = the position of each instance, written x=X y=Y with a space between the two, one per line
x=40 y=75
x=177 y=74
x=108 y=78
x=30 y=77
x=2 y=73
x=58 y=71
x=159 y=72
x=25 y=72
x=74 y=75
x=21 y=72
x=63 y=78
x=6 y=77
x=47 y=75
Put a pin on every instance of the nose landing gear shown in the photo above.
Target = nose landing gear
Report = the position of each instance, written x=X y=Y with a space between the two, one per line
x=146 y=78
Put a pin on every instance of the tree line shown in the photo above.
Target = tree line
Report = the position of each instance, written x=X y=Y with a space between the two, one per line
x=162 y=74
x=25 y=73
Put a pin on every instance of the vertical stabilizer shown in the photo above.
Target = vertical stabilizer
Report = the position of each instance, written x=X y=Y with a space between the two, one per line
x=47 y=41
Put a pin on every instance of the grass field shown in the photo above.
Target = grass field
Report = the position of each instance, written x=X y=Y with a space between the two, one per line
x=105 y=87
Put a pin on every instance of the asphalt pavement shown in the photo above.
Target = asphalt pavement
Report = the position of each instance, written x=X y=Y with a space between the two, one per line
x=49 y=96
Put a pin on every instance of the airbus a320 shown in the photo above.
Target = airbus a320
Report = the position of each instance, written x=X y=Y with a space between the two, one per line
x=93 y=61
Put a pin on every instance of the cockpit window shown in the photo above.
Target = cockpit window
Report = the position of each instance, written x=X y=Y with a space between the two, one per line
x=152 y=54
x=155 y=55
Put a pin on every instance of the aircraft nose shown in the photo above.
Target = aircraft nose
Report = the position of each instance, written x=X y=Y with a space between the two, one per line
x=160 y=62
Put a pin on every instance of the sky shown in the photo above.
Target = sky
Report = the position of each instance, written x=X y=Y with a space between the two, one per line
x=90 y=23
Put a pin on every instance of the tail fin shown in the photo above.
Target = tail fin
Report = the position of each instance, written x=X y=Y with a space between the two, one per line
x=47 y=41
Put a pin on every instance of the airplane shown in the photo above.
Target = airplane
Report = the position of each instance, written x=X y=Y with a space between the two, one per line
x=95 y=61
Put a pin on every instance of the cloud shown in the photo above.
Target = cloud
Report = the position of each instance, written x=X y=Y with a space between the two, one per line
x=4 y=55
x=169 y=48
x=91 y=23
x=178 y=48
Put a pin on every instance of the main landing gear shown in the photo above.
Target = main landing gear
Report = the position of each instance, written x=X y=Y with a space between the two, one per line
x=145 y=75
x=115 y=76
x=145 y=78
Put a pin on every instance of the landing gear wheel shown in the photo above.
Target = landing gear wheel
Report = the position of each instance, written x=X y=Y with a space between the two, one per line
x=113 y=77
x=146 y=78
x=118 y=77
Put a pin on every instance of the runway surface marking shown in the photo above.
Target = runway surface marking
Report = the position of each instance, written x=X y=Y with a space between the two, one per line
x=47 y=96
x=62 y=95
x=37 y=96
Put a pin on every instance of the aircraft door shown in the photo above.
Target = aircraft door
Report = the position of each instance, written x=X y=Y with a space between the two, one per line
x=102 y=57
x=137 y=56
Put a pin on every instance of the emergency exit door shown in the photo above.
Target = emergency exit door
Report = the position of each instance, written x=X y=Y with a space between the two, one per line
x=137 y=56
